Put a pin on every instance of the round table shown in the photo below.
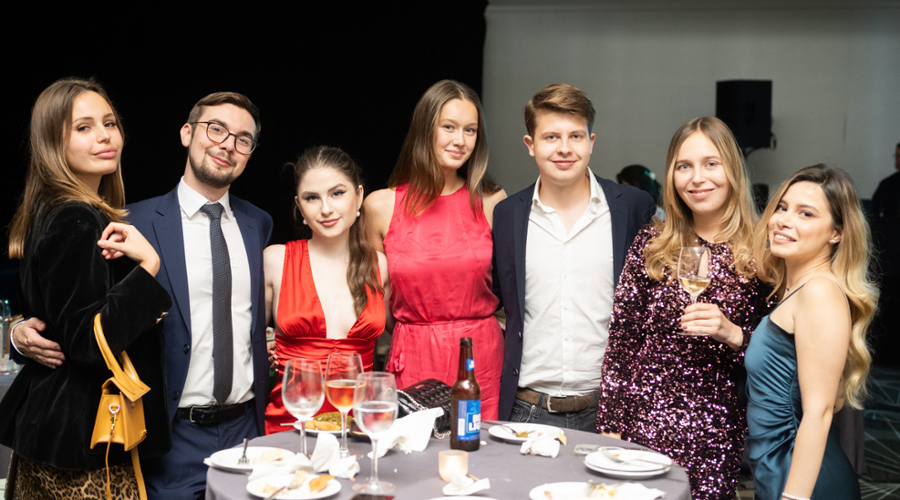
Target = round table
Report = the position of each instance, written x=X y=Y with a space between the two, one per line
x=415 y=475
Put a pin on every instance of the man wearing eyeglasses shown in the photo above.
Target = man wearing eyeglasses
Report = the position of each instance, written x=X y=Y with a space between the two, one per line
x=210 y=245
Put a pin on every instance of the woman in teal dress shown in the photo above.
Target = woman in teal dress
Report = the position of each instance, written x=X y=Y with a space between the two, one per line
x=809 y=355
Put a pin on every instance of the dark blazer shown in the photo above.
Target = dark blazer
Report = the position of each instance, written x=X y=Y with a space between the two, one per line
x=159 y=220
x=629 y=209
x=48 y=415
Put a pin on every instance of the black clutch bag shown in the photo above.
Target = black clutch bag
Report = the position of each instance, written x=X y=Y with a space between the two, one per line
x=431 y=393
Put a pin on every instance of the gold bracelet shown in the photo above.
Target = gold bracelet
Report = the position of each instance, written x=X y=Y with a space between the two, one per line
x=792 y=497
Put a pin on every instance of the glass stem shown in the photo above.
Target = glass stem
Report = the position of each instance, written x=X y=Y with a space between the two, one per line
x=374 y=481
x=303 y=438
x=344 y=450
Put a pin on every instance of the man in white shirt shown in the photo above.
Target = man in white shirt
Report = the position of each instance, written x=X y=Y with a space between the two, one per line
x=559 y=247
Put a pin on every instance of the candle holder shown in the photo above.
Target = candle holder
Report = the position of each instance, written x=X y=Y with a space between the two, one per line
x=451 y=463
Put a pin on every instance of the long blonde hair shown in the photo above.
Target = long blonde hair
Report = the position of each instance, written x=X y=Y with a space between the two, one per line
x=678 y=229
x=849 y=264
x=49 y=180
x=418 y=165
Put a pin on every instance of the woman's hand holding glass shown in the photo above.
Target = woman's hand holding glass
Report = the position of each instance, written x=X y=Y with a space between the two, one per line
x=708 y=320
x=301 y=392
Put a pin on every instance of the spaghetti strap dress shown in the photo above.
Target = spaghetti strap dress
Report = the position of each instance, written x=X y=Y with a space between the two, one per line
x=774 y=411
x=440 y=266
x=301 y=323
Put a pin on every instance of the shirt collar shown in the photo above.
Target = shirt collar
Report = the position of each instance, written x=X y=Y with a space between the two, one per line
x=597 y=195
x=191 y=201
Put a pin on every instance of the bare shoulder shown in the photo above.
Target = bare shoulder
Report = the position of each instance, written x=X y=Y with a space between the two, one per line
x=821 y=305
x=489 y=201
x=381 y=202
x=273 y=257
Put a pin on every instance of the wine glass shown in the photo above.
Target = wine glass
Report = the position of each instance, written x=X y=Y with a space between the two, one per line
x=301 y=392
x=375 y=408
x=693 y=273
x=340 y=380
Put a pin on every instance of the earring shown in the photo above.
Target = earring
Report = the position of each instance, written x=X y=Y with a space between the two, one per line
x=833 y=240
x=357 y=213
x=304 y=222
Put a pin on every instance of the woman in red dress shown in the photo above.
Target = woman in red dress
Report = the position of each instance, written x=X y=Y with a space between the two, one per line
x=434 y=225
x=327 y=293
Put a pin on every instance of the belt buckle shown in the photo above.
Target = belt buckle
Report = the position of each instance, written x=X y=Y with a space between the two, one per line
x=549 y=409
x=191 y=413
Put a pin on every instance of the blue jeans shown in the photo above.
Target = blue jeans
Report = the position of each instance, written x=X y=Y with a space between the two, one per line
x=582 y=420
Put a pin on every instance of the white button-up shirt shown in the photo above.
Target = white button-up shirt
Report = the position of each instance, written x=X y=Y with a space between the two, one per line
x=569 y=292
x=198 y=386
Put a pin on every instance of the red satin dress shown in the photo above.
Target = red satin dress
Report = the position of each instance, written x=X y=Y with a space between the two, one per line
x=301 y=322
x=440 y=266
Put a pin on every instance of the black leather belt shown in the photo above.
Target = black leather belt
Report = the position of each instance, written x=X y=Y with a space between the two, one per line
x=556 y=405
x=213 y=415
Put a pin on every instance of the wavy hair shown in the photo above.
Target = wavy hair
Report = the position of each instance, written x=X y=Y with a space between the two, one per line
x=363 y=269
x=49 y=180
x=739 y=215
x=418 y=165
x=849 y=264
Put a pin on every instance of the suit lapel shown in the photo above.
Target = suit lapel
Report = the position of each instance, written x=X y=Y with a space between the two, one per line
x=520 y=234
x=254 y=252
x=618 y=218
x=170 y=235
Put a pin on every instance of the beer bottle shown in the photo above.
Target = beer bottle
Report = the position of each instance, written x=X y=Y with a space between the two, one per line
x=465 y=402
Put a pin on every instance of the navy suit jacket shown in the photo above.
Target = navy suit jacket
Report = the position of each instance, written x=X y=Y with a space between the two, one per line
x=159 y=220
x=629 y=209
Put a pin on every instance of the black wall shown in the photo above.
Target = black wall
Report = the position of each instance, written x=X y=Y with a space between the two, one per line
x=345 y=74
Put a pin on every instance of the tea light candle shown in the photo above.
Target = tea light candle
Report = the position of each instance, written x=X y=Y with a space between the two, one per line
x=451 y=463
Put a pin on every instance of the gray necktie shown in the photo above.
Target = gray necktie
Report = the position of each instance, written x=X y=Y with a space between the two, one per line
x=223 y=358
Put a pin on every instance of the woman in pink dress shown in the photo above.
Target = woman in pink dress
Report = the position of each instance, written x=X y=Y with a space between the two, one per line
x=434 y=225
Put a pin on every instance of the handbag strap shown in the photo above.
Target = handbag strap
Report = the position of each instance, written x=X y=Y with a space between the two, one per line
x=125 y=377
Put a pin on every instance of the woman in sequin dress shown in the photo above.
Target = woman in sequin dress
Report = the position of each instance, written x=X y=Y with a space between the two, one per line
x=672 y=392
x=809 y=355
x=434 y=224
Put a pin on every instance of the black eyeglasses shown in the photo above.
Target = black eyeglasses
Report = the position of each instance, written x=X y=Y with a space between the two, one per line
x=219 y=134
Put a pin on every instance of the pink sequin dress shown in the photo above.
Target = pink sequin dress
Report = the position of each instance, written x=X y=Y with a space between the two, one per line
x=673 y=393
x=440 y=266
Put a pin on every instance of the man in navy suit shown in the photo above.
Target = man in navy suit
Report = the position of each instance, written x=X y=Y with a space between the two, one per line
x=559 y=247
x=211 y=408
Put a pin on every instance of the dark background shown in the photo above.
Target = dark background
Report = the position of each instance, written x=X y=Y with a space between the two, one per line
x=343 y=74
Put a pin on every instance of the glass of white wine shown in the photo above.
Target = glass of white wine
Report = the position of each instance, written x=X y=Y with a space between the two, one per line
x=693 y=273
x=340 y=381
x=301 y=392
x=375 y=408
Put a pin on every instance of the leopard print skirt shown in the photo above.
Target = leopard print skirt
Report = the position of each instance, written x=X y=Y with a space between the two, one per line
x=37 y=481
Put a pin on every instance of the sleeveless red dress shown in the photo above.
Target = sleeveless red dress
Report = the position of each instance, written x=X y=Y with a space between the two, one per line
x=440 y=266
x=301 y=322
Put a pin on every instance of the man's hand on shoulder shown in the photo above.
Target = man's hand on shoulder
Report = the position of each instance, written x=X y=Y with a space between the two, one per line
x=29 y=342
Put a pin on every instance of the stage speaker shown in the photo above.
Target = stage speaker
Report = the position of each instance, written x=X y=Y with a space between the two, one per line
x=746 y=107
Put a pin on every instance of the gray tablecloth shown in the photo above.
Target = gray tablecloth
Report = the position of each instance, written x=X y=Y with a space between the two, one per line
x=416 y=477
x=5 y=381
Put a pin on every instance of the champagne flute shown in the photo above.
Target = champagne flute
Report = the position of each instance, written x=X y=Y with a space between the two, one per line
x=301 y=392
x=340 y=381
x=693 y=273
x=375 y=408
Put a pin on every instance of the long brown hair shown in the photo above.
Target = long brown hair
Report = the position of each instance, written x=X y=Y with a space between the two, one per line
x=740 y=213
x=363 y=269
x=49 y=180
x=849 y=264
x=418 y=165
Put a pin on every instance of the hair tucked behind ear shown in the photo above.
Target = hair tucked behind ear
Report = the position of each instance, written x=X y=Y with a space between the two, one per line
x=49 y=180
x=849 y=264
x=363 y=269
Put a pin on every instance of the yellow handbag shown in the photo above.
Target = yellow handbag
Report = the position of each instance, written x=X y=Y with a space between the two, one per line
x=120 y=417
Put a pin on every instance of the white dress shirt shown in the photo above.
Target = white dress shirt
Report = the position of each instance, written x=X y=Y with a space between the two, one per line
x=198 y=386
x=568 y=297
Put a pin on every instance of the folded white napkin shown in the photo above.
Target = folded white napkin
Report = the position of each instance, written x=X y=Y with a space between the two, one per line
x=464 y=486
x=281 y=467
x=345 y=468
x=635 y=491
x=543 y=444
x=327 y=452
x=410 y=433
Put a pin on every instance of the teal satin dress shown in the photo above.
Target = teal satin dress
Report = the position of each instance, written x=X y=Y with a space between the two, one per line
x=773 y=416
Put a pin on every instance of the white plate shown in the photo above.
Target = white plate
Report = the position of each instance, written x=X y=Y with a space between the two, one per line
x=472 y=497
x=315 y=432
x=228 y=459
x=256 y=487
x=501 y=433
x=559 y=491
x=655 y=461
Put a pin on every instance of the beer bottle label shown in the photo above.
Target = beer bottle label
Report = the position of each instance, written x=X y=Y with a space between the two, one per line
x=469 y=425
x=470 y=364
